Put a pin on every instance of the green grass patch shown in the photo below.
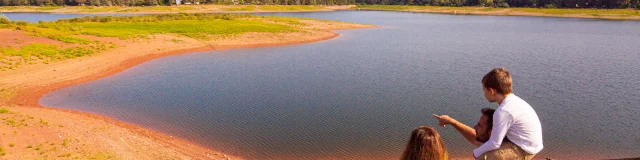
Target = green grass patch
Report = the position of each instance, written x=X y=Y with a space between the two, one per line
x=198 y=26
x=65 y=155
x=36 y=8
x=184 y=27
x=4 y=110
x=43 y=122
x=46 y=8
x=57 y=33
x=385 y=7
x=242 y=8
x=154 y=9
x=65 y=142
x=9 y=8
x=48 y=51
x=166 y=8
x=102 y=155
x=290 y=8
x=4 y=20
x=91 y=9
x=191 y=25
x=288 y=20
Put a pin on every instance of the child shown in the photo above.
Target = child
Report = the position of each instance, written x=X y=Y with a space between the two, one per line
x=514 y=117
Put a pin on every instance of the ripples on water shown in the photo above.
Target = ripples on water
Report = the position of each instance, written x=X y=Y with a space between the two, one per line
x=361 y=94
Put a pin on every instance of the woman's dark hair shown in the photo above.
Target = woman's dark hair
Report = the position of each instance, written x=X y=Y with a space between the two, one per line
x=425 y=144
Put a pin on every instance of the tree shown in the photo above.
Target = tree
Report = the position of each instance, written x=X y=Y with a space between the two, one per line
x=486 y=3
x=569 y=3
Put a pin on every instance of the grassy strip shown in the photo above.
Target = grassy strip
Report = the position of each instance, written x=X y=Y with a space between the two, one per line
x=273 y=8
x=290 y=8
x=239 y=8
x=32 y=53
x=552 y=11
x=39 y=8
x=52 y=52
x=197 y=26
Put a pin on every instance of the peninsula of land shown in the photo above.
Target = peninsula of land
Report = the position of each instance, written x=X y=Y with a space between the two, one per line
x=37 y=58
x=175 y=9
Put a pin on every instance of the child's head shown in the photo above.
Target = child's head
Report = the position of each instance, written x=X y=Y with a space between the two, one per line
x=496 y=82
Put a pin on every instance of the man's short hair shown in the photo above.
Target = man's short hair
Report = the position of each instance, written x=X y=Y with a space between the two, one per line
x=489 y=113
x=498 y=79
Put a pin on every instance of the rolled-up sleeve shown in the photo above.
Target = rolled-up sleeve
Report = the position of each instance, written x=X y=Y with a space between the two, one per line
x=502 y=120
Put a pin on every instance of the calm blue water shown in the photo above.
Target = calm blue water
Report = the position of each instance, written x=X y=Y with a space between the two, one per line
x=35 y=17
x=361 y=94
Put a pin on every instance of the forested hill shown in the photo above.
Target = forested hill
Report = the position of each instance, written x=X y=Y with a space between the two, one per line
x=486 y=3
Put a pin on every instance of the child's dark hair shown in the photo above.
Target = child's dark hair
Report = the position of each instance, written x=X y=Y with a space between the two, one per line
x=498 y=79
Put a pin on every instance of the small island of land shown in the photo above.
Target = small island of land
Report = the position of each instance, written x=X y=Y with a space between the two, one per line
x=36 y=58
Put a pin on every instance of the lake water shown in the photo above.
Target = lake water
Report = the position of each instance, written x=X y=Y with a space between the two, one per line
x=360 y=95
x=34 y=17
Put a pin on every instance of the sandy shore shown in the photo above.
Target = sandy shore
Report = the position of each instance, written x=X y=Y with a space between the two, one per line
x=35 y=131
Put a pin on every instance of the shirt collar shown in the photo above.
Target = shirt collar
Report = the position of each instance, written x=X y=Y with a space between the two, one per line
x=506 y=98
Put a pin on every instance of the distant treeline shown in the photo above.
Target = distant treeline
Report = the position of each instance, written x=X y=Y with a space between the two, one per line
x=486 y=3
x=168 y=2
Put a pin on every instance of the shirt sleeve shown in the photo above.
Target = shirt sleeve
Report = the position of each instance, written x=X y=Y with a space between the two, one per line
x=501 y=122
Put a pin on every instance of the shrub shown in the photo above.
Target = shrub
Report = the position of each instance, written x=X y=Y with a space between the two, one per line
x=4 y=20
x=550 y=6
x=21 y=23
x=106 y=19
x=503 y=5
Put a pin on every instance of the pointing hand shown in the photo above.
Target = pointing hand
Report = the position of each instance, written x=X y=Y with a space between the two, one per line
x=443 y=120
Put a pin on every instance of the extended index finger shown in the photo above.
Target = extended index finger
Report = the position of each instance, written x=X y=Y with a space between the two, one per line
x=435 y=115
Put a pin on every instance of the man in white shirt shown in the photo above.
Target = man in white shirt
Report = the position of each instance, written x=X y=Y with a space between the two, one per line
x=514 y=119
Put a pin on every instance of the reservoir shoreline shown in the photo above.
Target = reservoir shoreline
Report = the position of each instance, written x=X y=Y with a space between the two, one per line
x=395 y=51
x=29 y=91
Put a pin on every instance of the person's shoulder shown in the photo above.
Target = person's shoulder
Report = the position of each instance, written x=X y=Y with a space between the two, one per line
x=515 y=101
x=515 y=98
x=502 y=112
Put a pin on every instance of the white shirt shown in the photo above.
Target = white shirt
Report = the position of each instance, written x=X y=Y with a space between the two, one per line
x=515 y=119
